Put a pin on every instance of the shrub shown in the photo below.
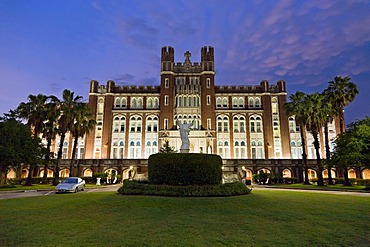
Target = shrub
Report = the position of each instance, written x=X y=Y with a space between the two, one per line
x=184 y=169
x=141 y=188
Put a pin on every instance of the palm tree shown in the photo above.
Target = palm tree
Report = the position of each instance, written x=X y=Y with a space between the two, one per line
x=296 y=108
x=83 y=124
x=329 y=118
x=317 y=114
x=341 y=91
x=34 y=112
x=65 y=122
x=50 y=130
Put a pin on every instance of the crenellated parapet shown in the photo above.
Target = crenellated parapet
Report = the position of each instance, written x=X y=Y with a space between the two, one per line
x=262 y=88
x=111 y=87
x=206 y=64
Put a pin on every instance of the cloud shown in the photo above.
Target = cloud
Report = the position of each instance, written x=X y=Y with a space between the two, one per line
x=137 y=32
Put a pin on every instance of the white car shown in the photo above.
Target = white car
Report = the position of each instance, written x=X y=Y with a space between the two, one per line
x=71 y=184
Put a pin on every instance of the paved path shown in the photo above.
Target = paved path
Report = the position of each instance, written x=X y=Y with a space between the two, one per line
x=335 y=192
x=29 y=193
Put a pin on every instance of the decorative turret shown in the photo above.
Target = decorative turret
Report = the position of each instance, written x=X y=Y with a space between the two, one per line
x=167 y=58
x=207 y=58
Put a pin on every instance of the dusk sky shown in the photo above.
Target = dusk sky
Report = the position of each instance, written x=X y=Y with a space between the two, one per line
x=47 y=46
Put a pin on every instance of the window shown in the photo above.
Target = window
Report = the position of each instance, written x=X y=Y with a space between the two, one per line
x=218 y=102
x=208 y=82
x=255 y=123
x=152 y=124
x=292 y=127
x=208 y=99
x=223 y=149
x=151 y=147
x=208 y=123
x=156 y=103
x=224 y=102
x=123 y=102
x=118 y=102
x=241 y=102
x=235 y=102
x=166 y=123
x=239 y=124
x=257 y=102
x=135 y=124
x=222 y=124
x=250 y=102
x=149 y=103
x=166 y=100
x=166 y=83
x=274 y=105
x=239 y=150
x=135 y=149
x=133 y=103
x=256 y=149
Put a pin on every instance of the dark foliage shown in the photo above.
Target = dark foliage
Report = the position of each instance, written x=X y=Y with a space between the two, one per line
x=184 y=169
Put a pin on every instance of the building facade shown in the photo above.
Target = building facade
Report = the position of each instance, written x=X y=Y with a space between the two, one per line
x=246 y=125
x=236 y=122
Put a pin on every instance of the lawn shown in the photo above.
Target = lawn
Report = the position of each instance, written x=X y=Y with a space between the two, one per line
x=263 y=218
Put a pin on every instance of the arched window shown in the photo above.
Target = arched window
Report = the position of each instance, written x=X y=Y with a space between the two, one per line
x=152 y=124
x=239 y=124
x=149 y=103
x=133 y=103
x=224 y=102
x=223 y=149
x=135 y=124
x=140 y=103
x=250 y=102
x=256 y=149
x=118 y=102
x=218 y=102
x=235 y=102
x=156 y=103
x=257 y=102
x=123 y=102
x=241 y=102
x=222 y=124
x=239 y=150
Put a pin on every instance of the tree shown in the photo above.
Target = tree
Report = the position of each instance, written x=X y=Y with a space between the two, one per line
x=17 y=146
x=317 y=115
x=166 y=148
x=353 y=147
x=83 y=124
x=296 y=108
x=50 y=130
x=34 y=112
x=341 y=91
x=331 y=113
x=67 y=106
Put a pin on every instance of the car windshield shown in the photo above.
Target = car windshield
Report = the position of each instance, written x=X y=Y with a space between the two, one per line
x=70 y=181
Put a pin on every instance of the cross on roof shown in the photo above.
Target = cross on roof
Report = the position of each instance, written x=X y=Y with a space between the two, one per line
x=187 y=55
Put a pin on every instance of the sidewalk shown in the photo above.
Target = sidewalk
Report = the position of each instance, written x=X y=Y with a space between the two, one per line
x=315 y=190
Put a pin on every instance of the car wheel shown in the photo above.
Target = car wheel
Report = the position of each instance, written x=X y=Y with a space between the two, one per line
x=76 y=190
x=83 y=188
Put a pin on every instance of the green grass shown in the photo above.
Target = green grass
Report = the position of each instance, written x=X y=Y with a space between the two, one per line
x=263 y=218
x=338 y=187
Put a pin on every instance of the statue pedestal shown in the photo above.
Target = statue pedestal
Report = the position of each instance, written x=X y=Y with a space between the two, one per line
x=184 y=151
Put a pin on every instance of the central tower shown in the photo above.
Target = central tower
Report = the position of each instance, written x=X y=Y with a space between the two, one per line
x=187 y=95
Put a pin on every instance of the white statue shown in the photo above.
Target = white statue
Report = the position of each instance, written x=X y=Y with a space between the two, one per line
x=184 y=134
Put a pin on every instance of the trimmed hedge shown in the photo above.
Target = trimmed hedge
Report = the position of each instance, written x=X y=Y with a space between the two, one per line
x=220 y=190
x=185 y=169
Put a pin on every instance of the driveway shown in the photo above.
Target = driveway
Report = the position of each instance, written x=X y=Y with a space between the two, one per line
x=29 y=193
